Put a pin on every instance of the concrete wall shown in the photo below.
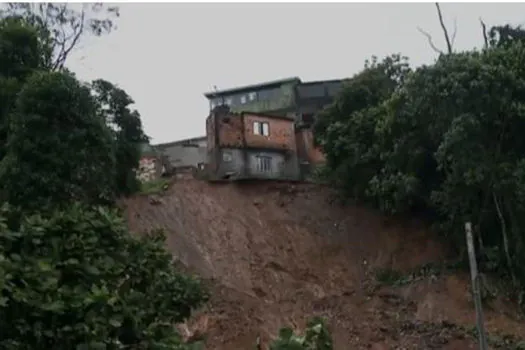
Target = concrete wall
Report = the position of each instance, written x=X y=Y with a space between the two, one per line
x=184 y=153
x=313 y=97
x=185 y=156
x=268 y=99
x=282 y=166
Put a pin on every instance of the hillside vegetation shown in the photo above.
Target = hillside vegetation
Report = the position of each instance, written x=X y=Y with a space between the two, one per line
x=71 y=275
x=441 y=143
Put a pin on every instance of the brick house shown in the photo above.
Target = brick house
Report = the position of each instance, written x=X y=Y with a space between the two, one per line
x=288 y=98
x=250 y=145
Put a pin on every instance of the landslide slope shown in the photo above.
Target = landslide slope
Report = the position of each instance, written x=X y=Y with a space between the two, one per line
x=277 y=253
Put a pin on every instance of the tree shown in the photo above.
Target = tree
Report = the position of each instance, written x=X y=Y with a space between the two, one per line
x=59 y=150
x=71 y=275
x=346 y=129
x=61 y=26
x=445 y=142
x=114 y=106
x=449 y=39
x=506 y=35
x=76 y=279
x=21 y=54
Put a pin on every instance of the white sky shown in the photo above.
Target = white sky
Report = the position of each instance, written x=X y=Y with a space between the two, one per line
x=167 y=55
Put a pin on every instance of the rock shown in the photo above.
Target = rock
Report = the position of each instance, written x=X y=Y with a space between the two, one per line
x=155 y=200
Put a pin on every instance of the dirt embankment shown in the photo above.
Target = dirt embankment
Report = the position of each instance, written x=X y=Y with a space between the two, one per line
x=277 y=253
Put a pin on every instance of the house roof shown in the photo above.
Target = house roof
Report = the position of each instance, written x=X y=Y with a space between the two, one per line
x=323 y=81
x=268 y=84
x=180 y=142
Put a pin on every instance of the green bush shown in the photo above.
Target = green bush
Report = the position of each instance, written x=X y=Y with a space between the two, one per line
x=77 y=279
x=316 y=337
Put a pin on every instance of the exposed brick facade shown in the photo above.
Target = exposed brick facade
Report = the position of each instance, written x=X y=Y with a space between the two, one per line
x=236 y=131
x=281 y=134
x=236 y=149
x=306 y=149
x=230 y=131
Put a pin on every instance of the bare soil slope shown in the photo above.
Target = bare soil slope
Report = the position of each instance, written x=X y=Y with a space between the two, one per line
x=278 y=253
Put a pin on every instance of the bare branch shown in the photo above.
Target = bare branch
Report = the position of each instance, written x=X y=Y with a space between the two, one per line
x=445 y=32
x=484 y=29
x=430 y=42
x=453 y=39
x=64 y=52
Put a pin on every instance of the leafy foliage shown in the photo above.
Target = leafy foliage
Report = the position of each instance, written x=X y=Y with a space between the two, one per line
x=76 y=279
x=114 y=107
x=316 y=337
x=346 y=129
x=21 y=54
x=71 y=276
x=443 y=141
x=58 y=148
x=95 y=161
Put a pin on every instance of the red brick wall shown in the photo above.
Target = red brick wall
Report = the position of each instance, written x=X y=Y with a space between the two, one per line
x=230 y=130
x=306 y=148
x=281 y=132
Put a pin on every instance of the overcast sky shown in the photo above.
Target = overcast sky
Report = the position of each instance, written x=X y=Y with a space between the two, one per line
x=167 y=55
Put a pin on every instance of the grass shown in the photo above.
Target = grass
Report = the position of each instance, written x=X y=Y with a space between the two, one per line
x=154 y=187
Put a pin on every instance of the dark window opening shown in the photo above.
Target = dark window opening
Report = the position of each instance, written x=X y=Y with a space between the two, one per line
x=308 y=118
x=264 y=164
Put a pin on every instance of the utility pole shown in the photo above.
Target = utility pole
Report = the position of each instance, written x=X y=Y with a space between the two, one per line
x=476 y=293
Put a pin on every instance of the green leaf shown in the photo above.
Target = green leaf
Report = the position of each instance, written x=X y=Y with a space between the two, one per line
x=115 y=323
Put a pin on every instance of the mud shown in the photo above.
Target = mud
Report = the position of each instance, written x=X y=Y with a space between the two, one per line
x=276 y=254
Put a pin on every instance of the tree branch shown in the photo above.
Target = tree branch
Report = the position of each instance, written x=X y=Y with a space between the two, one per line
x=453 y=39
x=445 y=32
x=505 y=237
x=430 y=42
x=64 y=52
x=484 y=29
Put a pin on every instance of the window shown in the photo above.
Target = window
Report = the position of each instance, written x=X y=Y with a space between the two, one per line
x=265 y=129
x=261 y=128
x=228 y=101
x=334 y=88
x=227 y=156
x=213 y=104
x=312 y=91
x=252 y=96
x=243 y=99
x=264 y=164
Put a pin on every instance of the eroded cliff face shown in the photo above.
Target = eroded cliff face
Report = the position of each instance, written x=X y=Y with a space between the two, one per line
x=276 y=253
